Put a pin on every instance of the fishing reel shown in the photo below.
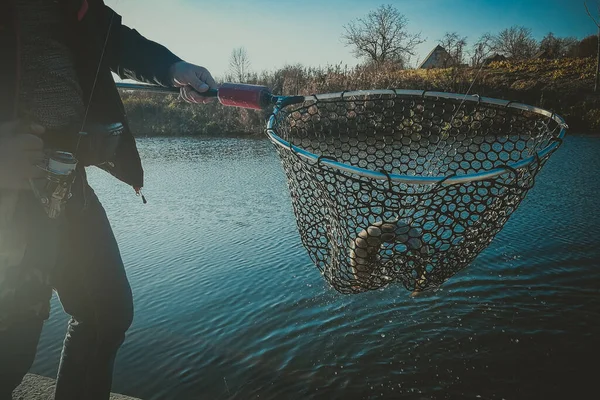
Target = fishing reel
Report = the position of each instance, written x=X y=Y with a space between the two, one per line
x=54 y=188
x=96 y=146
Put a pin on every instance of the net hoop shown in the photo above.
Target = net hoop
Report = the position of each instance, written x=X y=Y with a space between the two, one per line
x=420 y=180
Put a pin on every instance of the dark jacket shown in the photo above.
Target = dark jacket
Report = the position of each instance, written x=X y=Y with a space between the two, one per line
x=127 y=53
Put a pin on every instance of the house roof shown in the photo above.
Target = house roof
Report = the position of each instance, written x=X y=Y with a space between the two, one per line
x=436 y=49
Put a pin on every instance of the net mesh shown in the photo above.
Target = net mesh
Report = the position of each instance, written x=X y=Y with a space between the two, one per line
x=365 y=233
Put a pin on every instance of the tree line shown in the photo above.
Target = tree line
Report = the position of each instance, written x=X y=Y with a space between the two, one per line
x=516 y=43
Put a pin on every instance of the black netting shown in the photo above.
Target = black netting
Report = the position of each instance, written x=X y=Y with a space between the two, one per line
x=364 y=233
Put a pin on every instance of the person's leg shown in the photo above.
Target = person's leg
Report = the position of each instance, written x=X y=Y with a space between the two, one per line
x=25 y=290
x=18 y=344
x=93 y=288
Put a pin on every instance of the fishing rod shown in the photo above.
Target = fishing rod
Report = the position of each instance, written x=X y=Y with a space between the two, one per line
x=241 y=95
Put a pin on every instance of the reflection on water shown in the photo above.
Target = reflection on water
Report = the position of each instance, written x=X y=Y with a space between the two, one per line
x=228 y=305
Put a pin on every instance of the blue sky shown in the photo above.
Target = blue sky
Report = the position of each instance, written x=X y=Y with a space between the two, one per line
x=281 y=32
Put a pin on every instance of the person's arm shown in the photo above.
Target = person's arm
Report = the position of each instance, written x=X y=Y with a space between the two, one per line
x=132 y=56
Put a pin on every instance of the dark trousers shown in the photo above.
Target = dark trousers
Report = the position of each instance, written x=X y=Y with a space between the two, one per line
x=80 y=255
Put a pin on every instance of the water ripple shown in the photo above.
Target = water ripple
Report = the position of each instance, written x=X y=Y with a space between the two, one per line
x=230 y=307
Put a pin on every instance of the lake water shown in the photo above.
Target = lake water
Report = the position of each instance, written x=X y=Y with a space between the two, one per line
x=229 y=306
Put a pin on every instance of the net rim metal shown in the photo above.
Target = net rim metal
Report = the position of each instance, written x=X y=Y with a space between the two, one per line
x=410 y=179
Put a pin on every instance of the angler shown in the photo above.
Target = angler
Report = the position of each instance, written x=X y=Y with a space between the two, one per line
x=57 y=92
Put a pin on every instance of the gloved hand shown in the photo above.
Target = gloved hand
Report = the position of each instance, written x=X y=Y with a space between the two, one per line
x=192 y=79
x=21 y=148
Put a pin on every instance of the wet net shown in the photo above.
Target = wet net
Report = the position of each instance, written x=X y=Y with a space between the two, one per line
x=406 y=187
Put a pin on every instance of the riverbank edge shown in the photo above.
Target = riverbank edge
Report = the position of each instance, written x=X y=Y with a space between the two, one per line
x=36 y=387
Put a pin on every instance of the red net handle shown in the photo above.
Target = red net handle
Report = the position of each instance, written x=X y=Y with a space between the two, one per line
x=246 y=96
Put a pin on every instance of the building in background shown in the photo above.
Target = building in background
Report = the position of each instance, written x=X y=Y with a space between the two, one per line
x=437 y=58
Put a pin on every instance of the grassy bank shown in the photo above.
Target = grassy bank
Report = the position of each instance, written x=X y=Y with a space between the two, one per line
x=563 y=86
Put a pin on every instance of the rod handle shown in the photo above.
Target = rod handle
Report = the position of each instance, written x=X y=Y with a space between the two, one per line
x=160 y=89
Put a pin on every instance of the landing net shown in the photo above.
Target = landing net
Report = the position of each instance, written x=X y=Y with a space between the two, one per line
x=408 y=187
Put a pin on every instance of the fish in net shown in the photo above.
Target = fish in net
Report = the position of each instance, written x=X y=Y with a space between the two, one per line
x=407 y=187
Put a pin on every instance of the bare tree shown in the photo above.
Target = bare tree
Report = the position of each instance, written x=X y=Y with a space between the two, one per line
x=482 y=49
x=454 y=45
x=557 y=47
x=239 y=64
x=452 y=60
x=597 y=22
x=515 y=42
x=381 y=36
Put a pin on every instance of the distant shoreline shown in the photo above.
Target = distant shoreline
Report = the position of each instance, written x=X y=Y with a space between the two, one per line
x=563 y=86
